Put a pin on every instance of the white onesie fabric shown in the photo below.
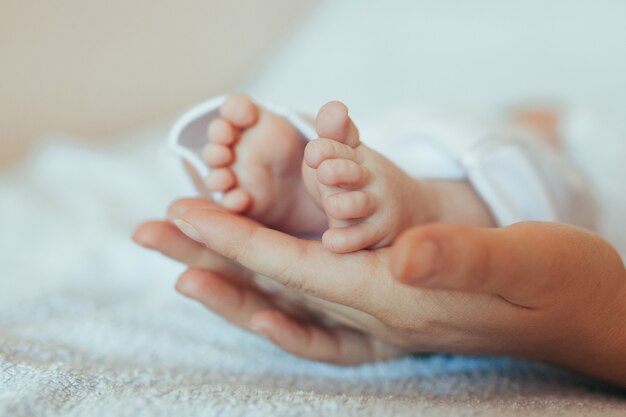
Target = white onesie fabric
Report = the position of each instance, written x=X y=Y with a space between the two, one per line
x=517 y=176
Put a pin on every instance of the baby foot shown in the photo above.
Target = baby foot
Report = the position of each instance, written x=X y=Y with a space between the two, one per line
x=256 y=158
x=368 y=200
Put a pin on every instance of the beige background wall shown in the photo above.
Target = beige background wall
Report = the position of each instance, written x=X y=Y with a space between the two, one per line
x=97 y=68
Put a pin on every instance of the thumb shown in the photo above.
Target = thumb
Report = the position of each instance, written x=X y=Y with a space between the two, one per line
x=525 y=263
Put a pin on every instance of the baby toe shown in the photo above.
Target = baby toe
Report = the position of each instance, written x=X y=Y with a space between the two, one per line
x=350 y=205
x=221 y=132
x=217 y=156
x=236 y=200
x=220 y=180
x=319 y=150
x=351 y=238
x=240 y=111
x=334 y=122
x=342 y=173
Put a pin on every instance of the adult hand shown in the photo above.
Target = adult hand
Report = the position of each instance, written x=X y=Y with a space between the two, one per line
x=302 y=324
x=571 y=283
x=479 y=291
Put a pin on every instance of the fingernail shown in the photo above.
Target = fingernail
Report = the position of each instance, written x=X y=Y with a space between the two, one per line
x=255 y=328
x=259 y=330
x=138 y=239
x=188 y=229
x=186 y=287
x=421 y=263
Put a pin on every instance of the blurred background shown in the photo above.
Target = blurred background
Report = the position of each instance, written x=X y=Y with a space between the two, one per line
x=97 y=69
x=94 y=69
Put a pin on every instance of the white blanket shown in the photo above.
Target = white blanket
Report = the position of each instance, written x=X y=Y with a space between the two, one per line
x=90 y=324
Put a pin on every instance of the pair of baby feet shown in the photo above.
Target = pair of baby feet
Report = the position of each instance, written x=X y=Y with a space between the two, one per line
x=334 y=186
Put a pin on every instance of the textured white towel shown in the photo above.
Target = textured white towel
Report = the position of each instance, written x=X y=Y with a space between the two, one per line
x=90 y=324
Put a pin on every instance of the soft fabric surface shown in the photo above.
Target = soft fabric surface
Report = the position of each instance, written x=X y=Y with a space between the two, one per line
x=90 y=324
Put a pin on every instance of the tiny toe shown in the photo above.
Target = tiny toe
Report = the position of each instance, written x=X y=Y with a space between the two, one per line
x=334 y=122
x=350 y=205
x=217 y=156
x=236 y=200
x=319 y=150
x=342 y=173
x=220 y=180
x=240 y=110
x=351 y=238
x=221 y=132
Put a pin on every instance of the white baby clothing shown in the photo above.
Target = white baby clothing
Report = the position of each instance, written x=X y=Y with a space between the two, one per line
x=517 y=176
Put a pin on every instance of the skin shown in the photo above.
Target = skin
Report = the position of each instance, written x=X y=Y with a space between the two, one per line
x=538 y=290
x=338 y=187
x=254 y=156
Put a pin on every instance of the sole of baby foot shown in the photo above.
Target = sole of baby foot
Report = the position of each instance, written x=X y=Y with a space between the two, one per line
x=255 y=158
x=368 y=199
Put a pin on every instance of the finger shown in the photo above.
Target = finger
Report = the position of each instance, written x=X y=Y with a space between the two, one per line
x=165 y=238
x=234 y=301
x=293 y=262
x=460 y=258
x=337 y=345
x=180 y=206
x=526 y=263
x=250 y=309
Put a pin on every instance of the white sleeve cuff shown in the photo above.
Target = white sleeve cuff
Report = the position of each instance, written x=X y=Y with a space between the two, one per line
x=516 y=174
